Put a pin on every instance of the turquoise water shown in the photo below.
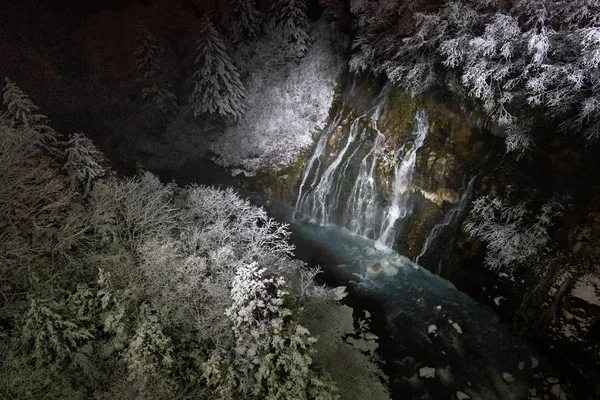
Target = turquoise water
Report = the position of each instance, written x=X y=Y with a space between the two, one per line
x=404 y=300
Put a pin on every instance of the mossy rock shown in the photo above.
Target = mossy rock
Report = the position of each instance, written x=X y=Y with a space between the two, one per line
x=279 y=184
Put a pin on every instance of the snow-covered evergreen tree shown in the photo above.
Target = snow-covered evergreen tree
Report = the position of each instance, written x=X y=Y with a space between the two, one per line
x=507 y=54
x=273 y=353
x=21 y=111
x=247 y=20
x=152 y=75
x=290 y=16
x=217 y=85
x=84 y=161
x=149 y=356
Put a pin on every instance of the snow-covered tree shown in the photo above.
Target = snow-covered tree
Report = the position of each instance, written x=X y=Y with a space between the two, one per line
x=152 y=75
x=290 y=16
x=84 y=161
x=247 y=20
x=149 y=357
x=217 y=84
x=272 y=356
x=21 y=111
x=544 y=54
x=514 y=237
x=53 y=336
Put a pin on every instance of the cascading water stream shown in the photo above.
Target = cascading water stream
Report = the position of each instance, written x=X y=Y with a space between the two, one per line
x=322 y=196
x=398 y=204
x=322 y=191
x=362 y=210
x=315 y=160
x=450 y=221
x=327 y=198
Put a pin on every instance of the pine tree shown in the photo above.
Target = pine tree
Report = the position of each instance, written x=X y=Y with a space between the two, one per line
x=149 y=66
x=291 y=16
x=218 y=88
x=273 y=353
x=84 y=161
x=22 y=112
x=247 y=20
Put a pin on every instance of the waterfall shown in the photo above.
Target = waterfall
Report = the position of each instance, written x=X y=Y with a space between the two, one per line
x=450 y=221
x=320 y=197
x=339 y=181
x=315 y=161
x=322 y=192
x=398 y=204
x=361 y=209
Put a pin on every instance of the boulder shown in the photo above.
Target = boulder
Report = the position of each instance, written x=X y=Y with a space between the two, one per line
x=432 y=329
x=534 y=362
x=508 y=377
x=557 y=391
x=457 y=327
x=587 y=292
x=462 y=396
x=427 y=373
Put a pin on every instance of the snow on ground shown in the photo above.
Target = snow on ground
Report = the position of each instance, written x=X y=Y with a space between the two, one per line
x=587 y=288
x=288 y=101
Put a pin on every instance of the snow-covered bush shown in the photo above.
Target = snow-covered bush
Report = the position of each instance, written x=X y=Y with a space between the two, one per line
x=513 y=236
x=217 y=85
x=133 y=209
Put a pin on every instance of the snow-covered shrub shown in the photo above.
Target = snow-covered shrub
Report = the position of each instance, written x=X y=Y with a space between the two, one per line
x=134 y=209
x=272 y=356
x=217 y=85
x=513 y=236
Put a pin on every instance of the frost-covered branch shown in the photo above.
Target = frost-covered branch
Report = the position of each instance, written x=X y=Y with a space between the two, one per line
x=514 y=237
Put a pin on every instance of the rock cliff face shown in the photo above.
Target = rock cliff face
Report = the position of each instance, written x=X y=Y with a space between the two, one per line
x=461 y=158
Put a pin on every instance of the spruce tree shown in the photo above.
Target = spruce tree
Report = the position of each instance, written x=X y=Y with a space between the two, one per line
x=84 y=162
x=218 y=88
x=291 y=16
x=21 y=112
x=247 y=20
x=149 y=66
